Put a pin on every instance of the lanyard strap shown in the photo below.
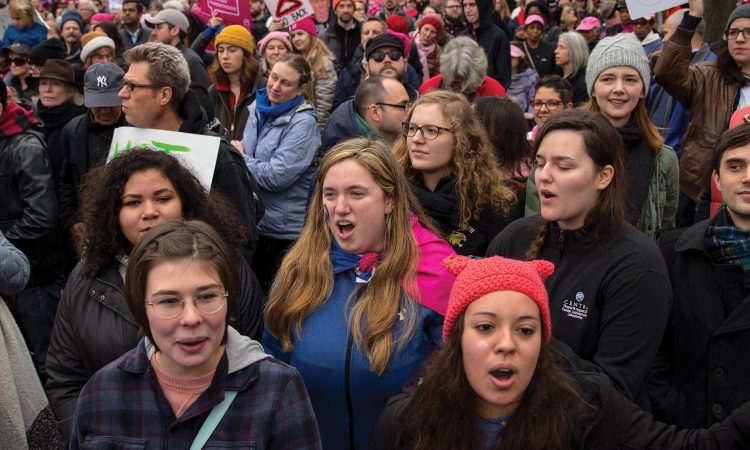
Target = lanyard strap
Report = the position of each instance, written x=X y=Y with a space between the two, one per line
x=213 y=420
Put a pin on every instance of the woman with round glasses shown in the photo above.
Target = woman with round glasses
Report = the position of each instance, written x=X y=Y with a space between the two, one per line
x=448 y=159
x=93 y=325
x=711 y=91
x=359 y=300
x=181 y=289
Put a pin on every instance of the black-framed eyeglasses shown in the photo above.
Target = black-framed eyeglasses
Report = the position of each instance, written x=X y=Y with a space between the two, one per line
x=130 y=86
x=733 y=33
x=429 y=132
x=551 y=105
x=19 y=61
x=403 y=106
x=379 y=56
x=170 y=306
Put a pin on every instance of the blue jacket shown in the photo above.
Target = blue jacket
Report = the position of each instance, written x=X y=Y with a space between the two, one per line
x=341 y=125
x=346 y=395
x=31 y=36
x=281 y=161
x=523 y=88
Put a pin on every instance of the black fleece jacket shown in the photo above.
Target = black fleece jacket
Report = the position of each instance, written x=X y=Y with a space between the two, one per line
x=609 y=303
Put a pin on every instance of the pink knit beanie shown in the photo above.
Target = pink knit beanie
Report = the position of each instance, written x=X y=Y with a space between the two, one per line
x=281 y=36
x=477 y=277
x=307 y=24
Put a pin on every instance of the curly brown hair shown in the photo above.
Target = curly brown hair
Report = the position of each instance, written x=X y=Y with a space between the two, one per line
x=474 y=166
x=101 y=201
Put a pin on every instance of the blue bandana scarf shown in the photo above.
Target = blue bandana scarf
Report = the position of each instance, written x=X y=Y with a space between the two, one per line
x=267 y=113
x=363 y=265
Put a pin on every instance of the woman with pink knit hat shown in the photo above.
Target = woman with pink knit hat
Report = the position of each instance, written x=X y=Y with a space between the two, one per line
x=322 y=61
x=500 y=382
x=271 y=47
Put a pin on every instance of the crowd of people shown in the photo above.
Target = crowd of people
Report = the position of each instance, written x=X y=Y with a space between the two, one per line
x=458 y=224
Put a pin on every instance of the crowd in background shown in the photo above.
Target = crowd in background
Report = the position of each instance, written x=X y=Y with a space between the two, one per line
x=430 y=224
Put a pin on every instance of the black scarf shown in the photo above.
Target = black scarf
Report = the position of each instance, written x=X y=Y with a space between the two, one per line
x=57 y=116
x=441 y=205
x=640 y=165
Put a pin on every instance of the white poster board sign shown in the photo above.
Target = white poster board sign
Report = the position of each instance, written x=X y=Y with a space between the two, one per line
x=640 y=8
x=289 y=11
x=196 y=152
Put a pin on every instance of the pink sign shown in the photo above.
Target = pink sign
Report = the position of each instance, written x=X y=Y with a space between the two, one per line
x=234 y=12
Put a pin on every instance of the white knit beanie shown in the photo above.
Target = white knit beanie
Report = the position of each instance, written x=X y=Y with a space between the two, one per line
x=95 y=44
x=619 y=50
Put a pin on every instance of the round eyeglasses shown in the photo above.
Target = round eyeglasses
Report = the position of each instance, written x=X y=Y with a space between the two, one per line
x=169 y=306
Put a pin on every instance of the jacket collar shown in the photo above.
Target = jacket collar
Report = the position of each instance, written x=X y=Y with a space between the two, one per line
x=693 y=237
x=240 y=352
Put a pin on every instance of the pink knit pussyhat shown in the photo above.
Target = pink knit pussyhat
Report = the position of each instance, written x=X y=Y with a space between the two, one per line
x=477 y=277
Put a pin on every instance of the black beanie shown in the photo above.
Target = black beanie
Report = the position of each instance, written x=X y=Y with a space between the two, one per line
x=49 y=49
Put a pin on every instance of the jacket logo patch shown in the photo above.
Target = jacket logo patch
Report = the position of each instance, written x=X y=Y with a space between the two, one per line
x=576 y=309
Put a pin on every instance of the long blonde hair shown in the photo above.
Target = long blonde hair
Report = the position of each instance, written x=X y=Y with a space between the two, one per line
x=474 y=166
x=305 y=278
x=319 y=51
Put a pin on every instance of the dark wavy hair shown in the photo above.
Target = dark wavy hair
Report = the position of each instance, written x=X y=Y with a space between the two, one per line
x=728 y=67
x=101 y=201
x=442 y=414
x=506 y=127
x=604 y=146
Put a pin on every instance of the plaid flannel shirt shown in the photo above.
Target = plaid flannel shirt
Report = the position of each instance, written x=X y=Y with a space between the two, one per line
x=122 y=406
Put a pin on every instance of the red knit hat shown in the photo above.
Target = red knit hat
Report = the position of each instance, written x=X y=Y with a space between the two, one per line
x=477 y=277
x=397 y=24
x=741 y=116
x=307 y=24
x=431 y=19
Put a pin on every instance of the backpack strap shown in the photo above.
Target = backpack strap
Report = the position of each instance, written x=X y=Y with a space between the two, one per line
x=213 y=420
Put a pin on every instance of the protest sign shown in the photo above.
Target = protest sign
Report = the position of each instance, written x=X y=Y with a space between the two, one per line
x=234 y=12
x=289 y=11
x=641 y=8
x=196 y=152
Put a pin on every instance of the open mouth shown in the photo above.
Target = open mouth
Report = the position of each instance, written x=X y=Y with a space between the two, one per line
x=502 y=374
x=546 y=194
x=345 y=227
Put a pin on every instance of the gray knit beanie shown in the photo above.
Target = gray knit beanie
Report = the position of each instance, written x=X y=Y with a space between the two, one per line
x=620 y=50
x=742 y=11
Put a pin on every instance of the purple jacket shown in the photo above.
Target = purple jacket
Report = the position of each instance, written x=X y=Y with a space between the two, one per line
x=122 y=405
